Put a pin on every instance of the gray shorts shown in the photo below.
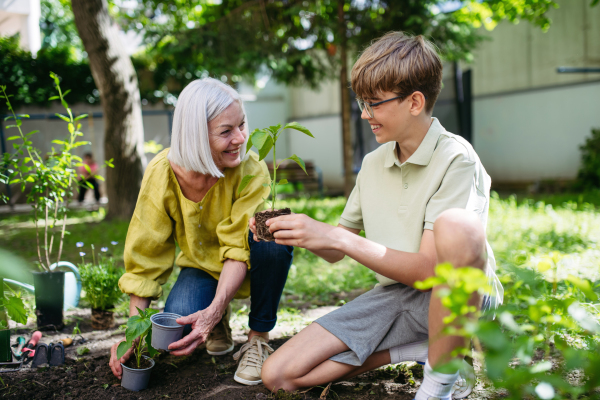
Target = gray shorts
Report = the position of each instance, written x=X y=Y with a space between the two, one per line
x=382 y=318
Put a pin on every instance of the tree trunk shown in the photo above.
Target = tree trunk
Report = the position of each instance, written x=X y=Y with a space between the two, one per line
x=346 y=136
x=117 y=82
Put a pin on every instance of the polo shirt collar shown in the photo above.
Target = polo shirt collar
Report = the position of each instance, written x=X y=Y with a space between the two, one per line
x=425 y=150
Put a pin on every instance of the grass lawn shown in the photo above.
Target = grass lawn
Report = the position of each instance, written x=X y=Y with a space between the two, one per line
x=521 y=232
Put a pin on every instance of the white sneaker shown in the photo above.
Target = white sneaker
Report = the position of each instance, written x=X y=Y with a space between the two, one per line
x=253 y=354
x=465 y=383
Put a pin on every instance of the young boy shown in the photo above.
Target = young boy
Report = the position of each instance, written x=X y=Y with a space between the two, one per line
x=422 y=198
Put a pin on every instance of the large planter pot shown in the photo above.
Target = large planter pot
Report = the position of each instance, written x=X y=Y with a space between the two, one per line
x=5 y=353
x=136 y=379
x=102 y=319
x=49 y=299
x=165 y=330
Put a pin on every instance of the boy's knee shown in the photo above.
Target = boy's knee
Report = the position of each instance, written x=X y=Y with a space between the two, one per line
x=274 y=376
x=460 y=238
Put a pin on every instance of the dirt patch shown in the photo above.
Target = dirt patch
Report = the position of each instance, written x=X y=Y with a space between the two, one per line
x=262 y=230
x=199 y=376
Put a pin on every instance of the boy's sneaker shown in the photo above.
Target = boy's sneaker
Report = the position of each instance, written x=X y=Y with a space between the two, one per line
x=465 y=382
x=219 y=341
x=253 y=354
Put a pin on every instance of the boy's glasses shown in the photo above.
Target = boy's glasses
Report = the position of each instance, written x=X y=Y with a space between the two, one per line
x=368 y=107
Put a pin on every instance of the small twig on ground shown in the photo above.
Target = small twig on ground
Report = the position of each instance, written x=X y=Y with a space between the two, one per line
x=325 y=392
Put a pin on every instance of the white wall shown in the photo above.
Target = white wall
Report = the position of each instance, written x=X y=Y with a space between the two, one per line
x=535 y=135
x=22 y=17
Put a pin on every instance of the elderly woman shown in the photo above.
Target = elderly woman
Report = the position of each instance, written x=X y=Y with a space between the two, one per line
x=189 y=196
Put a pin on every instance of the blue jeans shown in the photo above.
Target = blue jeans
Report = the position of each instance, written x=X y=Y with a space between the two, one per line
x=270 y=263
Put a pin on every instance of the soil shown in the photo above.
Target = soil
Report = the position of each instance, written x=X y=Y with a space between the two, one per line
x=144 y=363
x=102 y=319
x=262 y=230
x=86 y=374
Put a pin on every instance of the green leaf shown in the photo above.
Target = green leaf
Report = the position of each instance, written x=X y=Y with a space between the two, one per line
x=24 y=116
x=245 y=181
x=14 y=138
x=259 y=137
x=584 y=285
x=66 y=92
x=265 y=149
x=136 y=327
x=62 y=117
x=31 y=133
x=122 y=349
x=541 y=367
x=54 y=98
x=151 y=350
x=82 y=116
x=16 y=309
x=99 y=177
x=274 y=129
x=298 y=127
x=59 y=142
x=299 y=161
x=249 y=144
x=283 y=182
x=71 y=128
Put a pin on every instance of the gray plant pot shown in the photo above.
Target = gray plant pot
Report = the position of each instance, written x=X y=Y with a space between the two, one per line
x=165 y=330
x=136 y=379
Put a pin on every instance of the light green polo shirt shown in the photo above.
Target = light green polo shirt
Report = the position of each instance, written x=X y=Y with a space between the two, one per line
x=393 y=202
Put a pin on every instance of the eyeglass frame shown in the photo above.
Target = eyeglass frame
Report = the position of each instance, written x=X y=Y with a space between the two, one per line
x=371 y=105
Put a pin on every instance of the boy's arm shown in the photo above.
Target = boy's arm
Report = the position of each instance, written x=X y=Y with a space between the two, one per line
x=332 y=243
x=333 y=256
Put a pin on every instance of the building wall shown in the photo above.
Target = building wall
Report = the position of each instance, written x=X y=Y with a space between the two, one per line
x=22 y=17
x=529 y=120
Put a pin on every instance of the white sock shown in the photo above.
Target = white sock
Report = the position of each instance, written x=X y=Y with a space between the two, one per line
x=416 y=351
x=436 y=386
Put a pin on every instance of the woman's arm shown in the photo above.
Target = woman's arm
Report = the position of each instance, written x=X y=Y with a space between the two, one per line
x=204 y=321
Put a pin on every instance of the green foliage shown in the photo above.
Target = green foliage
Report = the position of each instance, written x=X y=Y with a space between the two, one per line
x=100 y=281
x=21 y=73
x=588 y=177
x=13 y=305
x=138 y=335
x=541 y=335
x=50 y=177
x=57 y=26
x=265 y=140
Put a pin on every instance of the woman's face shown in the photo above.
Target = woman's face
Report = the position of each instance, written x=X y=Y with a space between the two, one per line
x=227 y=134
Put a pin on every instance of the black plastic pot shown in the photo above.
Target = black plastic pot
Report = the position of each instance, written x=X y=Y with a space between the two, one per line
x=165 y=330
x=49 y=298
x=5 y=353
x=136 y=379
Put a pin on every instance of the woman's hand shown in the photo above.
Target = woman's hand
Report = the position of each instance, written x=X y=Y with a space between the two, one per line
x=302 y=231
x=115 y=363
x=202 y=323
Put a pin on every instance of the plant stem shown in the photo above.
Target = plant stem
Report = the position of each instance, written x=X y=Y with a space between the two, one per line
x=37 y=234
x=46 y=232
x=274 y=183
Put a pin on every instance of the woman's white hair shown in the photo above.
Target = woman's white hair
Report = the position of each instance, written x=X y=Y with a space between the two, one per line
x=200 y=102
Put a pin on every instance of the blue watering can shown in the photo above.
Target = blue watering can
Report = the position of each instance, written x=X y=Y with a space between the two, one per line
x=72 y=284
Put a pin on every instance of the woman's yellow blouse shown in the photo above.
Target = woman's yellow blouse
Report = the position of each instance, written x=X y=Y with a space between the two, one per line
x=208 y=232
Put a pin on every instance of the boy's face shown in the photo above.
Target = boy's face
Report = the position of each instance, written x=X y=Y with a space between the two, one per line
x=390 y=119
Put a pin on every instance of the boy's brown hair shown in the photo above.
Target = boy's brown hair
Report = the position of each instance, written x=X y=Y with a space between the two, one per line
x=399 y=63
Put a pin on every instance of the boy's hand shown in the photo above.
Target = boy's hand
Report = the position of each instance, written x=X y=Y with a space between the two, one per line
x=252 y=226
x=302 y=231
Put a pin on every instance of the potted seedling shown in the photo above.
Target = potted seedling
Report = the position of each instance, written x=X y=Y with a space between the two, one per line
x=100 y=282
x=11 y=306
x=50 y=179
x=265 y=140
x=136 y=371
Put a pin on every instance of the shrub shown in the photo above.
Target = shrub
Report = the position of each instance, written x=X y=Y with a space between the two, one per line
x=589 y=172
x=100 y=281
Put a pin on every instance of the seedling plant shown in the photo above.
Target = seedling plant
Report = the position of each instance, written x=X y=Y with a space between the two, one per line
x=265 y=140
x=138 y=336
x=49 y=176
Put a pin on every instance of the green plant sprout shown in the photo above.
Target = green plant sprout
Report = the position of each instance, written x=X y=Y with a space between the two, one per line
x=265 y=140
x=50 y=176
x=138 y=327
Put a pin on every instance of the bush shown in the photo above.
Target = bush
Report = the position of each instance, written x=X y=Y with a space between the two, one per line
x=101 y=283
x=19 y=71
x=589 y=173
